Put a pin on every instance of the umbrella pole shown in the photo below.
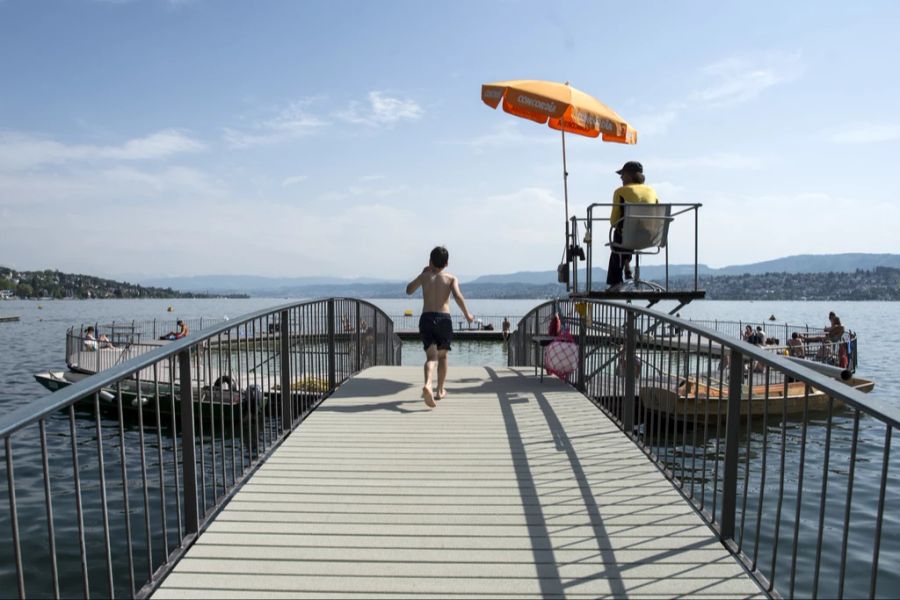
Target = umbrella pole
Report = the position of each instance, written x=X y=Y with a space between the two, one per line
x=566 y=199
x=565 y=185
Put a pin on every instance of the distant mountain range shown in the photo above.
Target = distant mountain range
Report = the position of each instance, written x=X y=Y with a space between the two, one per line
x=260 y=286
x=509 y=285
x=803 y=263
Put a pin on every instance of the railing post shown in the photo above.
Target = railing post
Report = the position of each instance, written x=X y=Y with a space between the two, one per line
x=732 y=431
x=375 y=338
x=582 y=338
x=358 y=340
x=331 y=350
x=284 y=335
x=628 y=403
x=188 y=444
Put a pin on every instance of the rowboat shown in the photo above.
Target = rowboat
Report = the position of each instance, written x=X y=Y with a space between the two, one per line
x=709 y=400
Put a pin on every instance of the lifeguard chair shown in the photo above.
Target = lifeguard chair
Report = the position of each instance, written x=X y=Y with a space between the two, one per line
x=645 y=232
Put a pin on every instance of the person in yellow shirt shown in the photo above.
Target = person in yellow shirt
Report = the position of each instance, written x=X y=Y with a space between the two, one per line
x=633 y=191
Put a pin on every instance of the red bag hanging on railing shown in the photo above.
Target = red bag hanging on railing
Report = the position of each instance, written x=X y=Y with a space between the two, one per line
x=561 y=356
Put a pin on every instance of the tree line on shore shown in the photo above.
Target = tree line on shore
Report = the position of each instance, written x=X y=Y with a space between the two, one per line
x=58 y=285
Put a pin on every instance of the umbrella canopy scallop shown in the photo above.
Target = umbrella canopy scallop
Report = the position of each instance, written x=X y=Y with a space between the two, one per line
x=561 y=106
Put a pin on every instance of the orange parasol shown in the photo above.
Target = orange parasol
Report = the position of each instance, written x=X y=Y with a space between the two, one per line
x=563 y=108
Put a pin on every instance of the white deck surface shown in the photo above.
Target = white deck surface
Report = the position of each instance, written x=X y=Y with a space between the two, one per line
x=509 y=488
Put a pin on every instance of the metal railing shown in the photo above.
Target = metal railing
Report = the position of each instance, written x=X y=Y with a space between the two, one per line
x=111 y=479
x=815 y=346
x=125 y=340
x=790 y=468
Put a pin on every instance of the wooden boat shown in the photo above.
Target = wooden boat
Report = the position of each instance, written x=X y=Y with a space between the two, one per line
x=709 y=400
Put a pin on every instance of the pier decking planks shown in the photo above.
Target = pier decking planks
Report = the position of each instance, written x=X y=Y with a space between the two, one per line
x=508 y=488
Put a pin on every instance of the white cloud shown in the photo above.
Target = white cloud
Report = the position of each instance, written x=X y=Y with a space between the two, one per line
x=112 y=186
x=656 y=123
x=736 y=80
x=381 y=110
x=727 y=82
x=291 y=122
x=509 y=133
x=866 y=133
x=23 y=151
x=293 y=180
x=372 y=177
x=724 y=160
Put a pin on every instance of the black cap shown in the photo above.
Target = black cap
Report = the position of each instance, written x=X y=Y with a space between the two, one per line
x=632 y=166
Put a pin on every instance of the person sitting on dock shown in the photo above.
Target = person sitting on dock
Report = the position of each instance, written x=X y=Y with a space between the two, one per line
x=795 y=346
x=180 y=331
x=632 y=191
x=833 y=333
x=92 y=342
x=435 y=324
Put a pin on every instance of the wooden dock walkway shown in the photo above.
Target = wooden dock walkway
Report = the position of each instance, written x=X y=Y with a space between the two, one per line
x=509 y=488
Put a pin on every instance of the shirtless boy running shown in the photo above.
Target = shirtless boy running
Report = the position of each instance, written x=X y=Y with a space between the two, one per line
x=435 y=325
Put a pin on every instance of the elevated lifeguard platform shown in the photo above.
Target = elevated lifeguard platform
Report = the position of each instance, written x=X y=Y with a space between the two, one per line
x=509 y=488
x=642 y=230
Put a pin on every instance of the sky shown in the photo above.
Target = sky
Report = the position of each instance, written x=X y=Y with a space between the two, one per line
x=284 y=138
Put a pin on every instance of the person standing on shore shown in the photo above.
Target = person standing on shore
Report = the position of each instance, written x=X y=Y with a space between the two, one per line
x=632 y=191
x=435 y=324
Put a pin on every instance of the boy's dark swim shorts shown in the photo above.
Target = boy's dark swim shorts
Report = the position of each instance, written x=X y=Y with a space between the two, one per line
x=436 y=328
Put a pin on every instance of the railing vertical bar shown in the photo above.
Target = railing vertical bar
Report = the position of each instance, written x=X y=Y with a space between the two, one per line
x=696 y=415
x=879 y=521
x=140 y=410
x=199 y=376
x=124 y=469
x=79 y=511
x=753 y=365
x=732 y=430
x=849 y=502
x=219 y=376
x=358 y=339
x=14 y=516
x=284 y=352
x=824 y=496
x=684 y=417
x=762 y=471
x=48 y=503
x=103 y=504
x=189 y=442
x=706 y=420
x=175 y=474
x=630 y=365
x=799 y=508
x=210 y=405
x=780 y=503
x=241 y=386
x=162 y=473
x=332 y=358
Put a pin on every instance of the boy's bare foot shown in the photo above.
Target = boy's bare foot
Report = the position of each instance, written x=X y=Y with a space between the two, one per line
x=441 y=393
x=429 y=396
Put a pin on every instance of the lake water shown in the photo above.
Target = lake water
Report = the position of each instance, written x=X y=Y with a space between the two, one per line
x=36 y=343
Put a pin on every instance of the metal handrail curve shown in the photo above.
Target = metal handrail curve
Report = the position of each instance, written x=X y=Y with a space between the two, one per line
x=196 y=417
x=769 y=452
x=887 y=414
x=41 y=408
